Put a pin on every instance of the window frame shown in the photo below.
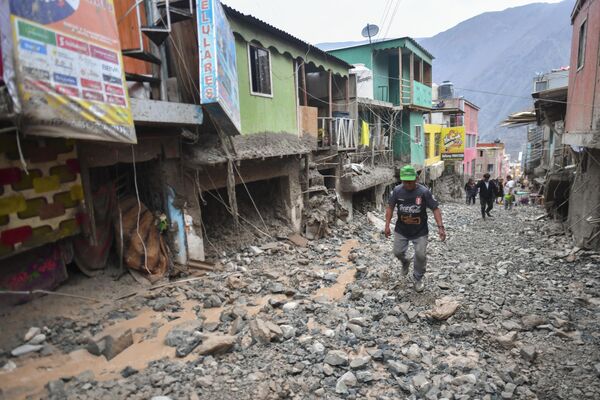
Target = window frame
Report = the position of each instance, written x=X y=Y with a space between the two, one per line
x=418 y=133
x=581 y=46
x=252 y=92
x=437 y=151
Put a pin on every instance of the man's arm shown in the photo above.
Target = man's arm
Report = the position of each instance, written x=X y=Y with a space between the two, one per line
x=437 y=215
x=389 y=213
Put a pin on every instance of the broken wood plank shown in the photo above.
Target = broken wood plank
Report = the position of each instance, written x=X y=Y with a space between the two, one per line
x=298 y=240
x=203 y=265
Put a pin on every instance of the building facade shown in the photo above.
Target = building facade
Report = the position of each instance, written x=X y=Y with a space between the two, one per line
x=490 y=159
x=582 y=124
x=401 y=73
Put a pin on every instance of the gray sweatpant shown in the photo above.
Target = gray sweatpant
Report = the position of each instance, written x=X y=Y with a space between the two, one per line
x=420 y=245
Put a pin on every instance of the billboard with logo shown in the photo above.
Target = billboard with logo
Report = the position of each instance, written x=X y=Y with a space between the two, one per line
x=218 y=68
x=453 y=143
x=63 y=67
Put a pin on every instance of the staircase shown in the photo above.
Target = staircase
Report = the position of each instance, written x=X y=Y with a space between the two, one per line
x=163 y=13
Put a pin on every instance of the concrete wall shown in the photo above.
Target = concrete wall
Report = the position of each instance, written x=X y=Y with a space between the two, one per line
x=584 y=202
x=495 y=156
x=472 y=130
x=417 y=150
x=267 y=114
x=215 y=177
x=431 y=130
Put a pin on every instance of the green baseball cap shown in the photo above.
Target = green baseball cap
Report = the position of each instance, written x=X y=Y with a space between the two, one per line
x=408 y=173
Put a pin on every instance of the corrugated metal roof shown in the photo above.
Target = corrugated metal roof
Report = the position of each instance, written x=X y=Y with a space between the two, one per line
x=283 y=34
x=383 y=42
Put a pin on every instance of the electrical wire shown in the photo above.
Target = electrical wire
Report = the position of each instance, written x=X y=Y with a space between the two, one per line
x=391 y=20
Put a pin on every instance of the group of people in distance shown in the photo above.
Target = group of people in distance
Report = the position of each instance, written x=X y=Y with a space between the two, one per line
x=491 y=191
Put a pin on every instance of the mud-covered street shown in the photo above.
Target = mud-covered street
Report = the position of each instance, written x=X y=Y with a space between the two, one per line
x=510 y=310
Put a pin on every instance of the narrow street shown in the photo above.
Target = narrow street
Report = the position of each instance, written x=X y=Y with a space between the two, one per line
x=510 y=310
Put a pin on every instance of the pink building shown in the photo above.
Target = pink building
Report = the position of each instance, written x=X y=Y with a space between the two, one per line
x=491 y=159
x=472 y=132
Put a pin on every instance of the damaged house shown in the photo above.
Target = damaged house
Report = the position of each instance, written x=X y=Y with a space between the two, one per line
x=182 y=130
x=582 y=123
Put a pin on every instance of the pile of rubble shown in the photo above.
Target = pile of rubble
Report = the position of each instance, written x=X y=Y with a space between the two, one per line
x=510 y=310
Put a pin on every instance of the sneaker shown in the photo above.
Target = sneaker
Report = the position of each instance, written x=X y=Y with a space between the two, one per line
x=419 y=286
x=405 y=267
x=489 y=215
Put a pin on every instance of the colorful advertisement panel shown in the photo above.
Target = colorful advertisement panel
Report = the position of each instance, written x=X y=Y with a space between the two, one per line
x=218 y=68
x=453 y=143
x=65 y=70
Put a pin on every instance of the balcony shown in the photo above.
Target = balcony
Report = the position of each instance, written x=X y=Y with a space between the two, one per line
x=420 y=96
x=339 y=133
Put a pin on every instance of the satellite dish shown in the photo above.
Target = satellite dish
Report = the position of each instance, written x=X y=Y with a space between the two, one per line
x=370 y=31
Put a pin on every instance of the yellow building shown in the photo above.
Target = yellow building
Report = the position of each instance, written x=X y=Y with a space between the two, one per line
x=433 y=135
x=434 y=166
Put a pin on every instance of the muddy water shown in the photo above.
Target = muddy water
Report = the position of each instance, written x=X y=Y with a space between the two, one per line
x=31 y=374
x=346 y=276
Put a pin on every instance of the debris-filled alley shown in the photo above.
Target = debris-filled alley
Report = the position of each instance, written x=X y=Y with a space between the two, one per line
x=196 y=202
x=510 y=310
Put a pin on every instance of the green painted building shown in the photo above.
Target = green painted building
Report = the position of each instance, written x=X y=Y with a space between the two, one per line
x=272 y=69
x=402 y=75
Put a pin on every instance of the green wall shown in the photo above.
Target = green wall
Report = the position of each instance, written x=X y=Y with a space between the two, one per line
x=380 y=76
x=267 y=114
x=417 y=150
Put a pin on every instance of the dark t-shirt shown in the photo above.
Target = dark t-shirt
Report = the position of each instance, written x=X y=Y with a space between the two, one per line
x=412 y=210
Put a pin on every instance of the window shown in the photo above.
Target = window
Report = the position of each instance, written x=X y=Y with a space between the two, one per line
x=479 y=166
x=581 y=47
x=438 y=139
x=427 y=140
x=480 y=153
x=417 y=139
x=490 y=168
x=541 y=85
x=260 y=70
x=456 y=120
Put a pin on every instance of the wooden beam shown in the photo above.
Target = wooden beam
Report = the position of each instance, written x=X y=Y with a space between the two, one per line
x=304 y=90
x=400 y=82
x=421 y=71
x=330 y=79
x=348 y=93
x=412 y=75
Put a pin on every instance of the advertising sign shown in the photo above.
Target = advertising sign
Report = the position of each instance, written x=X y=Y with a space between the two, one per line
x=453 y=143
x=218 y=70
x=63 y=67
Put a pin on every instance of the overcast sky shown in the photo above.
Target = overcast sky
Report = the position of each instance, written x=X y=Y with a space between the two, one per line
x=318 y=21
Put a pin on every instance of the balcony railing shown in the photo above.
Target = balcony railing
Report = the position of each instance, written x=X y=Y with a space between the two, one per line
x=419 y=96
x=336 y=132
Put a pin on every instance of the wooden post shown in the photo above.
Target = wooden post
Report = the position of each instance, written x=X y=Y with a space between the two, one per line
x=231 y=193
x=412 y=75
x=348 y=93
x=421 y=71
x=330 y=79
x=400 y=82
x=304 y=90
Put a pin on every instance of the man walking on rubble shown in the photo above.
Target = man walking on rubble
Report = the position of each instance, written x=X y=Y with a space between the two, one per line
x=412 y=200
x=487 y=193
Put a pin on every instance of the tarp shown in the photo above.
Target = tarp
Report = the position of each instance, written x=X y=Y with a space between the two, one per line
x=364 y=134
x=64 y=70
